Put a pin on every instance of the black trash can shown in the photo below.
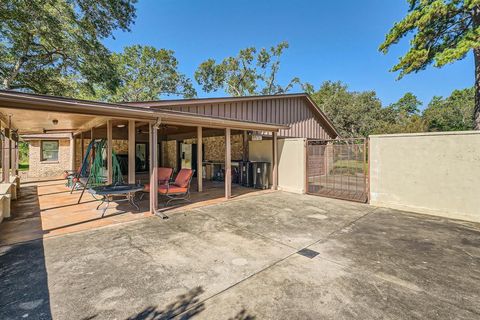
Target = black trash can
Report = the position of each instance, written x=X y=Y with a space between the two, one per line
x=260 y=171
x=246 y=178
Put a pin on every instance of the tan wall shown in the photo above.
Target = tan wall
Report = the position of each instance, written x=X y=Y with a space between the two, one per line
x=291 y=161
x=433 y=173
x=261 y=150
x=38 y=169
x=292 y=165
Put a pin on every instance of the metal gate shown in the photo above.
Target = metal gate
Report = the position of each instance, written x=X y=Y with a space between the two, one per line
x=338 y=169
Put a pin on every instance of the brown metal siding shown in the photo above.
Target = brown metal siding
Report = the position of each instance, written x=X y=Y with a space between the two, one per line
x=295 y=112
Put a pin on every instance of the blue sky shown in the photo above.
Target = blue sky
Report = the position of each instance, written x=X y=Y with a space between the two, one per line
x=329 y=40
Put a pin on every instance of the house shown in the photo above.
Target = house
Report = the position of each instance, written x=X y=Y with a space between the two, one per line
x=213 y=133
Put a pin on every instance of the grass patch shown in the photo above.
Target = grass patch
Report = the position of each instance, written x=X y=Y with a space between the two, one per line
x=349 y=164
x=23 y=166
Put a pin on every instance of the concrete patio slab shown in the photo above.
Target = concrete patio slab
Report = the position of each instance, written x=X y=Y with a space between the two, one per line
x=292 y=219
x=427 y=254
x=303 y=288
x=240 y=260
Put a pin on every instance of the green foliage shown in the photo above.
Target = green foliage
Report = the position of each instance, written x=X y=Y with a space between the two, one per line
x=356 y=114
x=401 y=116
x=353 y=113
x=452 y=113
x=144 y=73
x=46 y=43
x=444 y=31
x=251 y=72
x=23 y=152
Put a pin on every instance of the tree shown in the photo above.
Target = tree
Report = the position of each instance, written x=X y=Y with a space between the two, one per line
x=44 y=43
x=444 y=31
x=145 y=73
x=452 y=113
x=354 y=114
x=401 y=116
x=407 y=105
x=251 y=72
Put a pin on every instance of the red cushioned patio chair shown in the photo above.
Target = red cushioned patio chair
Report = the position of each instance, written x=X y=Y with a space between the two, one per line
x=164 y=176
x=179 y=189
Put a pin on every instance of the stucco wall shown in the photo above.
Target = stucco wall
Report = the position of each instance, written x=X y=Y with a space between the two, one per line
x=292 y=165
x=433 y=173
x=39 y=169
x=291 y=161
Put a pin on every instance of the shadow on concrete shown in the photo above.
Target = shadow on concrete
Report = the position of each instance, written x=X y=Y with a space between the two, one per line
x=24 y=282
x=187 y=305
x=27 y=204
x=242 y=315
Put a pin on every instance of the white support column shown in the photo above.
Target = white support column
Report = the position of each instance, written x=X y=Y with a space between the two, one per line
x=275 y=161
x=199 y=159
x=228 y=164
x=73 y=150
x=153 y=140
x=131 y=151
x=109 y=152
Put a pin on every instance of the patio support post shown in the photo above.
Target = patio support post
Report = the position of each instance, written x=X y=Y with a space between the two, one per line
x=275 y=161
x=109 y=152
x=153 y=140
x=82 y=147
x=5 y=156
x=228 y=164
x=72 y=151
x=245 y=145
x=8 y=162
x=131 y=151
x=92 y=153
x=15 y=158
x=199 y=159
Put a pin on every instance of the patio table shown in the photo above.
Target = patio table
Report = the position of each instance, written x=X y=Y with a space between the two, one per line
x=109 y=191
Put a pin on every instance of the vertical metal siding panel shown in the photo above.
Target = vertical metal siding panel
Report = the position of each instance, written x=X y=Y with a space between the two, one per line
x=258 y=107
x=280 y=111
x=221 y=111
x=267 y=111
x=290 y=110
x=226 y=110
x=299 y=118
x=277 y=111
x=244 y=111
x=294 y=119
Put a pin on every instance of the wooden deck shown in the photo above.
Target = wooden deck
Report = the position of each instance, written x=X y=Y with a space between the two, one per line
x=46 y=209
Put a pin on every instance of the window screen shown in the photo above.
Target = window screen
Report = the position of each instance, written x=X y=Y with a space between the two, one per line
x=49 y=150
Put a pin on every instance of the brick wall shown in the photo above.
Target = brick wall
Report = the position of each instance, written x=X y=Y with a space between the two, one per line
x=39 y=169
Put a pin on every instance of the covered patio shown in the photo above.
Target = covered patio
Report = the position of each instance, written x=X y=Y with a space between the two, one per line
x=58 y=210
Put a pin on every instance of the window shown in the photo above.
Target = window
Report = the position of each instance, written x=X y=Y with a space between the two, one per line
x=49 y=150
